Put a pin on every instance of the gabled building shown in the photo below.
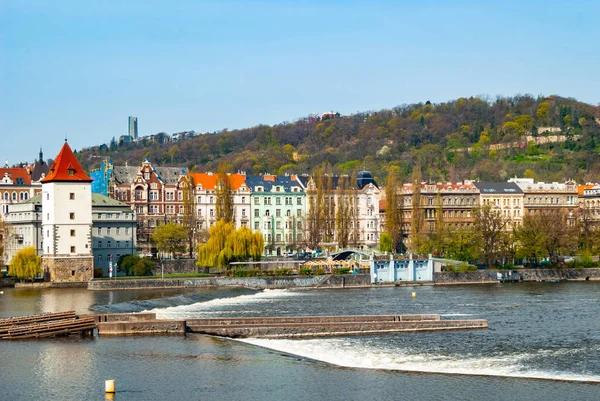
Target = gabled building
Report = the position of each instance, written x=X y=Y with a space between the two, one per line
x=506 y=198
x=206 y=188
x=67 y=220
x=360 y=202
x=154 y=193
x=278 y=212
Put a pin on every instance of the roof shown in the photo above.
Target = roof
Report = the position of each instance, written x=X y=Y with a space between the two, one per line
x=18 y=175
x=168 y=175
x=66 y=168
x=97 y=200
x=582 y=188
x=209 y=180
x=269 y=181
x=383 y=204
x=498 y=188
x=101 y=200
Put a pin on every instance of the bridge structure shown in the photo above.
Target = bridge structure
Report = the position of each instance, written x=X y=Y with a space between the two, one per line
x=347 y=253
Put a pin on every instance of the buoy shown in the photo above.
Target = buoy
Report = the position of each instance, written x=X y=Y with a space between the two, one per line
x=109 y=386
x=414 y=294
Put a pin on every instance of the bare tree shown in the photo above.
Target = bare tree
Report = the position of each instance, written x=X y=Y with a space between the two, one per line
x=224 y=194
x=393 y=211
x=417 y=218
x=489 y=228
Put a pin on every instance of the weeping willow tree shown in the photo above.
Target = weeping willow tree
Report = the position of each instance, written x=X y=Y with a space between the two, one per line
x=226 y=245
x=25 y=265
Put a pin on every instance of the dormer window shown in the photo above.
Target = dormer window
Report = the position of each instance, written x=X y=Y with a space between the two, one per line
x=71 y=172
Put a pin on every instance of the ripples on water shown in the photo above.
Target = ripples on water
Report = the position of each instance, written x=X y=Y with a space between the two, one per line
x=544 y=331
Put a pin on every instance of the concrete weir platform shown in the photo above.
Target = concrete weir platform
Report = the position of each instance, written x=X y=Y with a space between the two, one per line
x=278 y=327
x=326 y=326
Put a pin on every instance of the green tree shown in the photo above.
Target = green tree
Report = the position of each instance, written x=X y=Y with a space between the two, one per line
x=417 y=218
x=531 y=239
x=224 y=194
x=226 y=245
x=170 y=238
x=126 y=263
x=393 y=211
x=489 y=229
x=386 y=244
x=143 y=267
x=25 y=265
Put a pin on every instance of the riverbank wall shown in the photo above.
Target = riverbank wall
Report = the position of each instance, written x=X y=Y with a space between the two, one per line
x=524 y=275
x=259 y=283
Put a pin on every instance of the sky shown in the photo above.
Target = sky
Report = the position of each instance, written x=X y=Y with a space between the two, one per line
x=78 y=69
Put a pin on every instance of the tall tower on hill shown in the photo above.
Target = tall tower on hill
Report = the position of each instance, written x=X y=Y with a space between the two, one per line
x=67 y=220
x=133 y=127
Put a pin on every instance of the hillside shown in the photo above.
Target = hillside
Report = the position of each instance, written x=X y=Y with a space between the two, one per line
x=468 y=138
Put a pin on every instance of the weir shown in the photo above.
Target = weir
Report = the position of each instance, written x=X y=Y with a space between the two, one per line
x=116 y=324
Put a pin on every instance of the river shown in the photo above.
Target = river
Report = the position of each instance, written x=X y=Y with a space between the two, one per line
x=543 y=343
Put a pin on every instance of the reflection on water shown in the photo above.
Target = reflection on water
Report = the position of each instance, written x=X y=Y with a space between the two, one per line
x=533 y=328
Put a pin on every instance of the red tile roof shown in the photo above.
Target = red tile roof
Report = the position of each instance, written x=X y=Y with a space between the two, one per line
x=66 y=168
x=208 y=181
x=16 y=172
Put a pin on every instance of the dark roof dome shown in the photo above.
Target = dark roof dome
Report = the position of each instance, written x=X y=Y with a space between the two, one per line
x=365 y=178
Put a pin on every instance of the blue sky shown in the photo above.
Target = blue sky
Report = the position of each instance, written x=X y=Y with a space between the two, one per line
x=80 y=68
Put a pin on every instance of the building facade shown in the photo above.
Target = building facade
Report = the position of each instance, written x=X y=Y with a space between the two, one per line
x=542 y=196
x=67 y=220
x=505 y=198
x=278 y=211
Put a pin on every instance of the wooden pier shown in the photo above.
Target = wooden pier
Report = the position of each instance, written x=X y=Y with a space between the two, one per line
x=45 y=325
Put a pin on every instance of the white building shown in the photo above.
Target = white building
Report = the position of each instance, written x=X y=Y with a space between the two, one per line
x=67 y=220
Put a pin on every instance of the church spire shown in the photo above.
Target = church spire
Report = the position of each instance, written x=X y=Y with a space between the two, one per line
x=41 y=159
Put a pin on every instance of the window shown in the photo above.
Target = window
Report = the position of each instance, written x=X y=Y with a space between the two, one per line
x=72 y=216
x=278 y=237
x=72 y=249
x=267 y=212
x=72 y=196
x=118 y=244
x=127 y=230
x=153 y=195
x=278 y=201
x=72 y=233
x=298 y=201
x=180 y=195
x=256 y=213
x=99 y=244
x=170 y=196
x=243 y=212
x=278 y=225
x=108 y=244
x=212 y=212
x=288 y=213
x=211 y=200
x=243 y=199
x=277 y=212
x=118 y=230
x=256 y=201
x=299 y=212
x=108 y=230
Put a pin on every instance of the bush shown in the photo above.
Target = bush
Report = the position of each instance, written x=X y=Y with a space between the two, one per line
x=306 y=271
x=319 y=272
x=343 y=270
x=143 y=267
x=462 y=268
x=98 y=273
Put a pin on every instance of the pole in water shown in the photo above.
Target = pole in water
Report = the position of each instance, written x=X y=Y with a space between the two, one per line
x=414 y=294
x=109 y=386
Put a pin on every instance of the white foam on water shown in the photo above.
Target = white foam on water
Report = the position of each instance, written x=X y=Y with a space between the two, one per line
x=356 y=355
x=456 y=314
x=199 y=308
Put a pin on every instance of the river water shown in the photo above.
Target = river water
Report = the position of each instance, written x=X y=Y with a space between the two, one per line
x=543 y=343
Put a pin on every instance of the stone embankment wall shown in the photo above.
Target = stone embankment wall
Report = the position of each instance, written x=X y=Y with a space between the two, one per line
x=333 y=281
x=6 y=282
x=176 y=266
x=489 y=276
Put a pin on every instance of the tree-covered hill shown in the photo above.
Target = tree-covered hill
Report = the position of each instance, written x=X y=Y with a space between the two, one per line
x=436 y=136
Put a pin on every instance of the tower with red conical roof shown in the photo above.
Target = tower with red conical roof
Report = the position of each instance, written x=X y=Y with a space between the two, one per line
x=67 y=220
